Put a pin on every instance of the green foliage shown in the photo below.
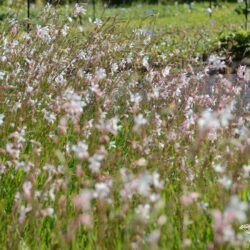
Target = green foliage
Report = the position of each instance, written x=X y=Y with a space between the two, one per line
x=240 y=9
x=236 y=43
x=6 y=13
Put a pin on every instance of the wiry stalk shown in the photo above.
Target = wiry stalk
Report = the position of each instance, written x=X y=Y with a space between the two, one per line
x=94 y=8
x=28 y=13
x=246 y=13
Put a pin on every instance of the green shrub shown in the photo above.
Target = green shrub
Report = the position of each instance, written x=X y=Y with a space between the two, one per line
x=236 y=43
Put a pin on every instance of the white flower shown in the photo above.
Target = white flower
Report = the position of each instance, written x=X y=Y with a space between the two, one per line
x=100 y=73
x=219 y=168
x=216 y=62
x=247 y=75
x=208 y=120
x=145 y=62
x=209 y=11
x=81 y=150
x=1 y=119
x=241 y=71
x=114 y=67
x=112 y=145
x=143 y=211
x=98 y=22
x=139 y=121
x=226 y=114
x=64 y=30
x=27 y=186
x=43 y=33
x=79 y=10
x=83 y=200
x=225 y=181
x=49 y=116
x=135 y=98
x=246 y=171
x=47 y=211
x=95 y=162
x=142 y=162
x=2 y=74
x=238 y=208
x=60 y=79
x=154 y=237
x=73 y=103
x=103 y=189
x=22 y=213
x=165 y=71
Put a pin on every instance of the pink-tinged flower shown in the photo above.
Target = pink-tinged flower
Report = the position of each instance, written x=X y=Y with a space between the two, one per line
x=83 y=200
x=241 y=71
x=98 y=22
x=43 y=33
x=187 y=242
x=162 y=220
x=86 y=220
x=12 y=150
x=2 y=169
x=27 y=189
x=189 y=198
x=247 y=75
x=154 y=237
x=111 y=126
x=49 y=116
x=238 y=208
x=223 y=221
x=63 y=125
x=79 y=10
x=47 y=212
x=73 y=103
x=95 y=88
x=22 y=213
x=142 y=162
x=218 y=225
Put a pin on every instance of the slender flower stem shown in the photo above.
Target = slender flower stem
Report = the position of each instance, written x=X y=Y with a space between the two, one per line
x=28 y=14
x=94 y=9
x=246 y=13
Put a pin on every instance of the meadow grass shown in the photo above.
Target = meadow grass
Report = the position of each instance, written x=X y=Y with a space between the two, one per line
x=111 y=139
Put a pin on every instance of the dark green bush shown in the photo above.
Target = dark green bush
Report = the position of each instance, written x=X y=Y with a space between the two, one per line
x=241 y=9
x=127 y=2
x=236 y=43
